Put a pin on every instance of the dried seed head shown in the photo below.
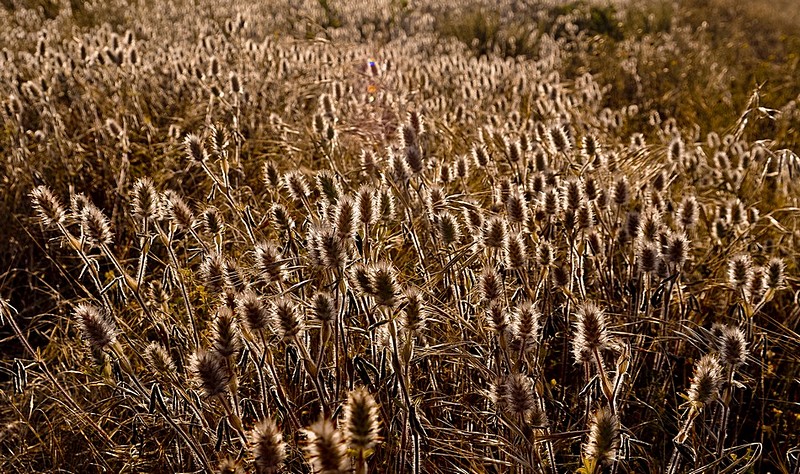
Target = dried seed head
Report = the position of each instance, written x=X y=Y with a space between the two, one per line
x=383 y=281
x=551 y=202
x=47 y=206
x=365 y=204
x=490 y=284
x=226 y=337
x=288 y=320
x=144 y=200
x=323 y=307
x=516 y=252
x=621 y=191
x=675 y=149
x=573 y=194
x=268 y=262
x=776 y=268
x=516 y=208
x=740 y=270
x=603 y=437
x=386 y=204
x=732 y=346
x=98 y=330
x=449 y=228
x=545 y=255
x=252 y=311
x=328 y=186
x=591 y=333
x=220 y=139
x=159 y=359
x=497 y=317
x=361 y=423
x=480 y=156
x=361 y=279
x=706 y=382
x=95 y=226
x=415 y=312
x=211 y=373
x=677 y=249
x=195 y=149
x=267 y=447
x=234 y=276
x=526 y=327
x=648 y=255
x=295 y=183
x=179 y=213
x=272 y=176
x=520 y=402
x=462 y=167
x=213 y=222
x=213 y=271
x=326 y=451
x=688 y=211
x=345 y=218
x=584 y=218
x=494 y=233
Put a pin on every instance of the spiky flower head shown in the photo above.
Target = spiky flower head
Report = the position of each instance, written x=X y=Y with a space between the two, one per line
x=383 y=280
x=494 y=233
x=159 y=359
x=325 y=449
x=195 y=149
x=491 y=286
x=775 y=273
x=603 y=437
x=740 y=269
x=97 y=329
x=267 y=447
x=323 y=307
x=210 y=372
x=95 y=226
x=144 y=200
x=732 y=346
x=526 y=326
x=287 y=318
x=48 y=207
x=591 y=333
x=415 y=312
x=226 y=337
x=269 y=262
x=706 y=382
x=361 y=422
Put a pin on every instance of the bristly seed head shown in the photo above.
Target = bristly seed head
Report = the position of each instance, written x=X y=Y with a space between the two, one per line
x=591 y=333
x=252 y=311
x=211 y=372
x=267 y=447
x=732 y=346
x=95 y=226
x=50 y=210
x=325 y=449
x=98 y=330
x=706 y=382
x=287 y=318
x=603 y=437
x=361 y=422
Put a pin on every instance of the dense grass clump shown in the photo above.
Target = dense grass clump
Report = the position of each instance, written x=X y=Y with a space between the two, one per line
x=397 y=237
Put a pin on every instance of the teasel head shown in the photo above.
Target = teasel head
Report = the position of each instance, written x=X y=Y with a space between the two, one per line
x=330 y=247
x=369 y=162
x=398 y=168
x=756 y=285
x=226 y=337
x=589 y=146
x=706 y=382
x=732 y=346
x=230 y=466
x=324 y=308
x=220 y=139
x=551 y=201
x=234 y=275
x=545 y=254
x=213 y=271
x=740 y=270
x=675 y=149
x=386 y=204
x=604 y=437
x=95 y=226
x=526 y=327
x=621 y=192
x=325 y=450
x=280 y=216
x=595 y=243
x=287 y=318
x=584 y=217
x=159 y=359
x=647 y=254
x=360 y=279
x=211 y=372
x=480 y=156
x=449 y=228
x=361 y=422
x=560 y=139
x=272 y=177
x=328 y=186
x=516 y=251
x=267 y=447
x=513 y=151
x=650 y=225
x=591 y=332
x=365 y=205
x=415 y=313
x=775 y=273
x=213 y=222
x=97 y=329
x=494 y=233
x=491 y=286
x=252 y=311
x=383 y=281
x=677 y=251
x=498 y=393
x=177 y=211
x=269 y=263
x=540 y=160
x=519 y=399
x=345 y=218
x=50 y=211
x=516 y=208
x=295 y=183
x=688 y=212
x=144 y=200
x=195 y=149
x=573 y=194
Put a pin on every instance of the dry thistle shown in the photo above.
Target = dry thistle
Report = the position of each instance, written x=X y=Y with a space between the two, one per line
x=383 y=281
x=706 y=382
x=210 y=372
x=361 y=423
x=325 y=449
x=490 y=284
x=159 y=359
x=740 y=269
x=226 y=335
x=732 y=346
x=591 y=333
x=95 y=226
x=323 y=307
x=97 y=330
x=603 y=438
x=145 y=200
x=287 y=318
x=50 y=211
x=252 y=311
x=267 y=447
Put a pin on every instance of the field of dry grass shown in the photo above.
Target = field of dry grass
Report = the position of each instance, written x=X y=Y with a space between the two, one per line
x=395 y=236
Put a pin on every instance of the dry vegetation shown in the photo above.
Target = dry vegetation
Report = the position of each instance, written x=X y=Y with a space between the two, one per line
x=389 y=236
